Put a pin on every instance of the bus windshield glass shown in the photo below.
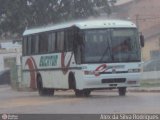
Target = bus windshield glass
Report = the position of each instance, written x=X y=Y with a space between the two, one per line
x=111 y=45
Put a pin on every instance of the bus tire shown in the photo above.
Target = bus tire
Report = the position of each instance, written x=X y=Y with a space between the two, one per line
x=43 y=91
x=49 y=91
x=87 y=93
x=122 y=91
x=81 y=93
x=72 y=81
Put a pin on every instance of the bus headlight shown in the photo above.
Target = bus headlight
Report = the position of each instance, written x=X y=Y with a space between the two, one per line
x=131 y=82
x=134 y=70
x=88 y=72
x=91 y=73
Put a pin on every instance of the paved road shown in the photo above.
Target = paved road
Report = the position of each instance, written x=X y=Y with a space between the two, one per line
x=65 y=102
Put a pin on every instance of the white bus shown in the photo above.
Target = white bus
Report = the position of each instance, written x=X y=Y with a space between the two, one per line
x=83 y=56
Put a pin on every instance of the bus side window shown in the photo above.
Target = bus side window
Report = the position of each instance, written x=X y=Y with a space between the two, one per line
x=69 y=40
x=33 y=44
x=36 y=43
x=51 y=42
x=24 y=46
x=60 y=41
x=29 y=45
x=43 y=43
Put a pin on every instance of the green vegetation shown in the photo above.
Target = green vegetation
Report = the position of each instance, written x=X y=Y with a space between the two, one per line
x=150 y=83
x=16 y=15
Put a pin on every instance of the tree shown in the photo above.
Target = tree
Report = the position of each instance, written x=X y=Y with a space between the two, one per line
x=16 y=15
x=13 y=15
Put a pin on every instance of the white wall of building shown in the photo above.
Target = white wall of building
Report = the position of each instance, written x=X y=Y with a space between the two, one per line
x=10 y=50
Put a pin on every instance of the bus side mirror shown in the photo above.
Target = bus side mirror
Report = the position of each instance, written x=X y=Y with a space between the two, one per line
x=142 y=40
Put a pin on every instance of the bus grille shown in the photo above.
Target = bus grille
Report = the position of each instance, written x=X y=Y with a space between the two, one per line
x=114 y=80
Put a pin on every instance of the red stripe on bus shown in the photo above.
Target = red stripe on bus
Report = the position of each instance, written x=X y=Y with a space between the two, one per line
x=31 y=64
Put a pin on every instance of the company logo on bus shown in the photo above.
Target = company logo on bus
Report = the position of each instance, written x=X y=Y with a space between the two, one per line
x=100 y=68
x=47 y=61
x=104 y=68
x=4 y=116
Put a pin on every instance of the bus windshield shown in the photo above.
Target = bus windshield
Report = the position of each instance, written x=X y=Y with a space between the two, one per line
x=111 y=45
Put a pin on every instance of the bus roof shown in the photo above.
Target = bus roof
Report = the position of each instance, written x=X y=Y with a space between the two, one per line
x=89 y=24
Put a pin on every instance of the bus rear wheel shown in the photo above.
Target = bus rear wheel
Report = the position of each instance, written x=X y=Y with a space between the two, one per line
x=122 y=91
x=43 y=91
x=81 y=93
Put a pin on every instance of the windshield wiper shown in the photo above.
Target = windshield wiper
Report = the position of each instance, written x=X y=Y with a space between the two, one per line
x=106 y=50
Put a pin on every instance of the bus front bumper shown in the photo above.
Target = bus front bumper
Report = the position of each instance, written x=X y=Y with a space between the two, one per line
x=112 y=81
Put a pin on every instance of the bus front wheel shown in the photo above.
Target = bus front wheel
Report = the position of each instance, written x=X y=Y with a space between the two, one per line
x=87 y=93
x=122 y=91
